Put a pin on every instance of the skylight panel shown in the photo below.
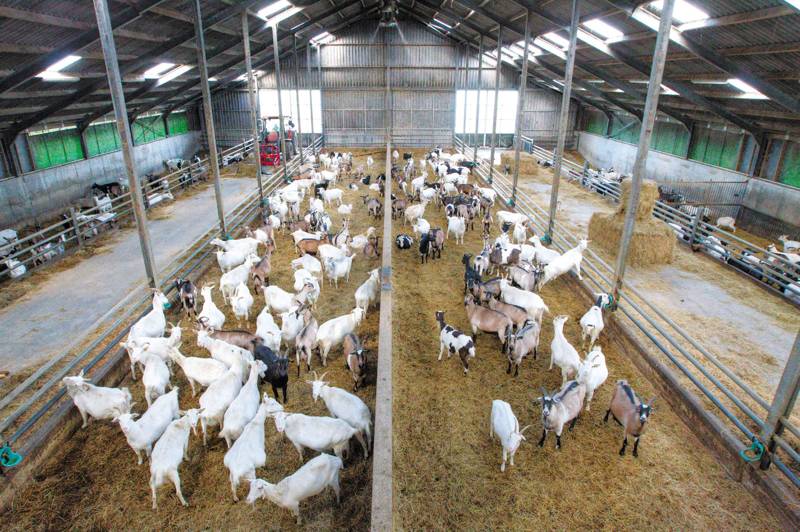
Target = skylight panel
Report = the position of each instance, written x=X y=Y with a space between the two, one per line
x=682 y=12
x=602 y=28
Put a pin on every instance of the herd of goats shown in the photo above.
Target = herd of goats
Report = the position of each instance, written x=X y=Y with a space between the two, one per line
x=507 y=306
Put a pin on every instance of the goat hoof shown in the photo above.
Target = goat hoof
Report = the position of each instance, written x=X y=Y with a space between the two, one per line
x=636 y=454
x=622 y=452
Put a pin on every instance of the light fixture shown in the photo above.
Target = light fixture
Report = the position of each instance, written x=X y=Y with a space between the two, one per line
x=322 y=38
x=273 y=8
x=749 y=91
x=52 y=73
x=557 y=39
x=682 y=12
x=172 y=74
x=156 y=71
x=389 y=11
x=603 y=28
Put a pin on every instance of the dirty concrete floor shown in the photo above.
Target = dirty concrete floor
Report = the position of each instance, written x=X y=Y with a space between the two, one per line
x=750 y=329
x=68 y=303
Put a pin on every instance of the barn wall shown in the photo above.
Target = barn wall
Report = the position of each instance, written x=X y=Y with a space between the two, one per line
x=37 y=196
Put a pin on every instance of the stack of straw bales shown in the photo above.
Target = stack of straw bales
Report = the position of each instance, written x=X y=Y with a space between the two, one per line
x=652 y=242
x=527 y=162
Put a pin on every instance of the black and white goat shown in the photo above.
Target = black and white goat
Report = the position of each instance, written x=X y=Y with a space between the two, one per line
x=454 y=341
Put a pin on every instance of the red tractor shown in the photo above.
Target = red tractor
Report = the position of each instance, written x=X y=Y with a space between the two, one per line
x=270 y=147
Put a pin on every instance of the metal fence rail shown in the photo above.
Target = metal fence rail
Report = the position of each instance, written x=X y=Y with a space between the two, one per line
x=75 y=231
x=733 y=399
x=773 y=272
x=243 y=212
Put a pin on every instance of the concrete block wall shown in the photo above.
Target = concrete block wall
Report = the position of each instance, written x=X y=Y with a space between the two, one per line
x=38 y=196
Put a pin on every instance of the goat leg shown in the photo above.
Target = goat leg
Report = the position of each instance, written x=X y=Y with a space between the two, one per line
x=624 y=444
x=544 y=435
x=636 y=447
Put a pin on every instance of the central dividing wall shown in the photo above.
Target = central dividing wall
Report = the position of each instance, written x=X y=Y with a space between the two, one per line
x=423 y=80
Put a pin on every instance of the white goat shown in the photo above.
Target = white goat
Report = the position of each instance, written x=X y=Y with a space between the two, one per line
x=139 y=348
x=346 y=406
x=592 y=373
x=415 y=211
x=278 y=300
x=309 y=263
x=247 y=452
x=368 y=291
x=228 y=260
x=789 y=245
x=152 y=324
x=229 y=281
x=345 y=210
x=229 y=354
x=457 y=226
x=291 y=325
x=332 y=194
x=96 y=401
x=562 y=354
x=727 y=222
x=268 y=330
x=244 y=407
x=332 y=332
x=210 y=315
x=316 y=433
x=337 y=268
x=241 y=302
x=504 y=425
x=511 y=217
x=421 y=226
x=543 y=255
x=202 y=371
x=591 y=325
x=570 y=260
x=142 y=434
x=532 y=303
x=155 y=378
x=168 y=453
x=217 y=397
x=311 y=479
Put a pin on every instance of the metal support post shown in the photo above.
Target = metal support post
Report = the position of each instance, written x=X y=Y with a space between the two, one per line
x=319 y=84
x=213 y=156
x=782 y=404
x=459 y=61
x=278 y=85
x=106 y=37
x=497 y=66
x=478 y=100
x=563 y=117
x=297 y=97
x=466 y=93
x=648 y=122
x=252 y=94
x=310 y=95
x=523 y=82
x=76 y=227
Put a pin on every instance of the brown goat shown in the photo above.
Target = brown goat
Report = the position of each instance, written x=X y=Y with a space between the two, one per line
x=517 y=315
x=243 y=339
x=260 y=272
x=355 y=359
x=436 y=237
x=630 y=412
x=487 y=320
x=310 y=246
x=306 y=340
x=371 y=248
x=398 y=208
x=374 y=207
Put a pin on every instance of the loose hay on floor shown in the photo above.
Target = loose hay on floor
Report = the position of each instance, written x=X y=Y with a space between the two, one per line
x=527 y=162
x=447 y=469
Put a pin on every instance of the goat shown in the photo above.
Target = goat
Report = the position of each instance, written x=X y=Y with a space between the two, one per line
x=471 y=275
x=151 y=325
x=261 y=271
x=187 y=292
x=413 y=212
x=278 y=300
x=347 y=407
x=244 y=407
x=424 y=248
x=487 y=320
x=218 y=397
x=727 y=222
x=421 y=226
x=142 y=434
x=210 y=316
x=562 y=354
x=454 y=341
x=247 y=452
x=337 y=268
x=457 y=226
x=592 y=322
x=306 y=340
x=561 y=408
x=517 y=315
x=241 y=302
x=436 y=238
x=532 y=303
x=308 y=263
x=522 y=343
x=592 y=373
x=789 y=245
x=367 y=292
x=332 y=332
x=630 y=412
x=319 y=473
x=267 y=331
x=570 y=260
x=202 y=371
x=155 y=377
x=230 y=280
x=228 y=354
x=96 y=401
x=277 y=374
x=317 y=433
x=504 y=425
x=355 y=357
x=168 y=453
x=140 y=347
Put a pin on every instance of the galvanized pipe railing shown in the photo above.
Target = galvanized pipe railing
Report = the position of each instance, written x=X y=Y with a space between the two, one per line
x=633 y=303
x=244 y=211
x=66 y=232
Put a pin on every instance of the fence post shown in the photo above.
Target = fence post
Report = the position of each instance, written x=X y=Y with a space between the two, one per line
x=76 y=226
x=782 y=403
x=695 y=223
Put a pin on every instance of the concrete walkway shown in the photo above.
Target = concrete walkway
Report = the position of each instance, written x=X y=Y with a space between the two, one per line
x=68 y=303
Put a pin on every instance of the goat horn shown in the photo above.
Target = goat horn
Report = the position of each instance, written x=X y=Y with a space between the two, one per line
x=323 y=376
x=526 y=427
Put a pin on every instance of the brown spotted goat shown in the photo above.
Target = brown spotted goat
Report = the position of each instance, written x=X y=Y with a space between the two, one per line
x=630 y=412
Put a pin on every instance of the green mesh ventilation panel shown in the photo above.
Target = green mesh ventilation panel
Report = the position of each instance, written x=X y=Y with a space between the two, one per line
x=790 y=172
x=625 y=129
x=102 y=138
x=148 y=129
x=719 y=148
x=178 y=124
x=596 y=122
x=670 y=138
x=55 y=148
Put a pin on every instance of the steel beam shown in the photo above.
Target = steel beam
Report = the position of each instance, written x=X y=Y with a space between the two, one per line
x=497 y=74
x=310 y=94
x=319 y=83
x=252 y=98
x=279 y=86
x=523 y=84
x=106 y=36
x=213 y=156
x=478 y=100
x=563 y=116
x=466 y=91
x=297 y=97
x=643 y=148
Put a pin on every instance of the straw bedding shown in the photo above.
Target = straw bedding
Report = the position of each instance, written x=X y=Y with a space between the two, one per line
x=527 y=162
x=652 y=242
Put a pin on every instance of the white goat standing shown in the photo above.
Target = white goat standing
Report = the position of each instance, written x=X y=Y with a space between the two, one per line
x=562 y=354
x=244 y=407
x=312 y=478
x=155 y=377
x=332 y=332
x=217 y=397
x=142 y=434
x=247 y=452
x=97 y=401
x=151 y=325
x=241 y=302
x=368 y=291
x=168 y=453
x=505 y=425
x=592 y=373
x=229 y=281
x=268 y=330
x=570 y=260
x=457 y=226
x=347 y=406
x=202 y=371
x=210 y=315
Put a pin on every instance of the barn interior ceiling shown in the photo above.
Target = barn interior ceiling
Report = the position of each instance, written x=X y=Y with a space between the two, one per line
x=731 y=61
